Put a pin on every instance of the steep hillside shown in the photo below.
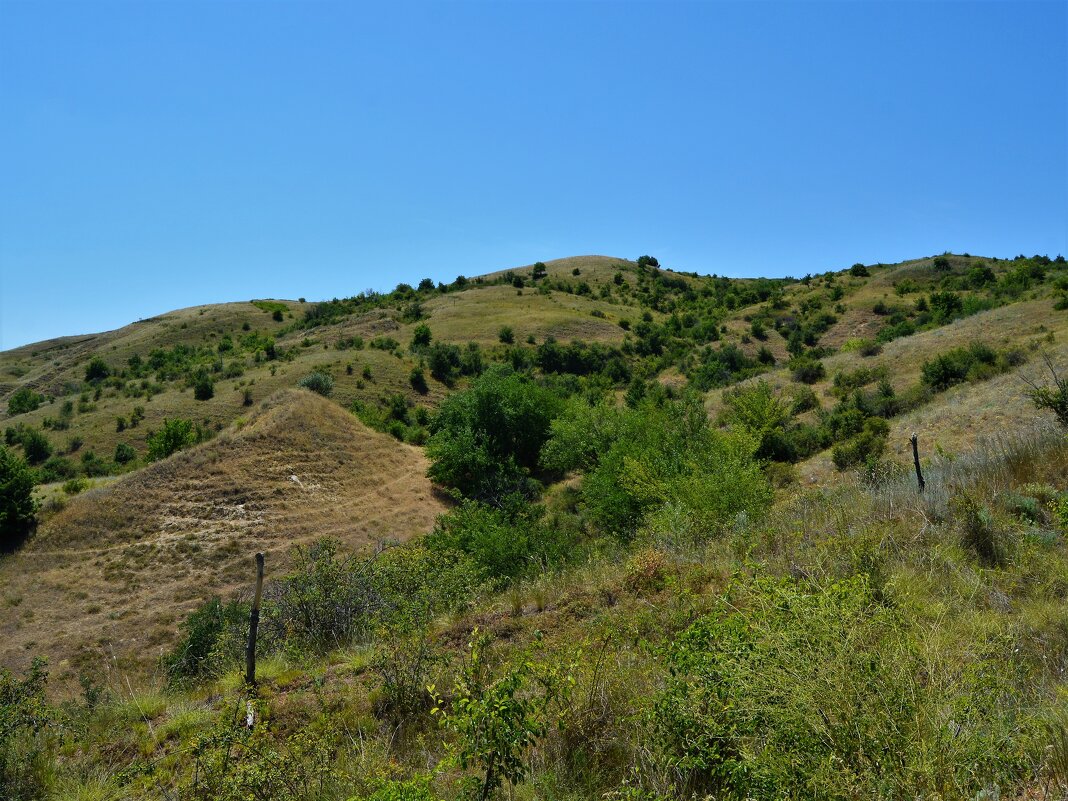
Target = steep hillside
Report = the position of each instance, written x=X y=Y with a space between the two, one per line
x=111 y=574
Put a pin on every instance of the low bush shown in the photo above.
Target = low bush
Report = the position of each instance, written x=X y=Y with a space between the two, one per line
x=23 y=400
x=319 y=382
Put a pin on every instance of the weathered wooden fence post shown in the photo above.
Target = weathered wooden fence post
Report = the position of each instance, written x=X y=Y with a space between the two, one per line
x=254 y=625
x=916 y=461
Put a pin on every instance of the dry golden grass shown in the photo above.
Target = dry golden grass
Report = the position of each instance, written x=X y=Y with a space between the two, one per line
x=112 y=574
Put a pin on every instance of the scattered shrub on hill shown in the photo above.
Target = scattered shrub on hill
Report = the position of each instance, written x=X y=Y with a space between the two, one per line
x=35 y=445
x=124 y=453
x=23 y=400
x=319 y=382
x=858 y=270
x=506 y=335
x=18 y=510
x=421 y=337
x=671 y=457
x=807 y=370
x=975 y=362
x=174 y=435
x=199 y=652
x=203 y=387
x=97 y=370
x=417 y=378
x=485 y=440
x=863 y=447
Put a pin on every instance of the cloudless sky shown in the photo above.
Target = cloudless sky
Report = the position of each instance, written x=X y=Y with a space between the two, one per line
x=155 y=155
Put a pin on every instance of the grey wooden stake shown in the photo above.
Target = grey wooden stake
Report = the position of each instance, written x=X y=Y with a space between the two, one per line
x=916 y=461
x=254 y=625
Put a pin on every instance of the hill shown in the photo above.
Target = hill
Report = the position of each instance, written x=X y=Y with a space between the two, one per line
x=690 y=558
x=111 y=574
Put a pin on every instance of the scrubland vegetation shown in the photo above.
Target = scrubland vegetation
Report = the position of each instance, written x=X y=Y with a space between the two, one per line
x=631 y=594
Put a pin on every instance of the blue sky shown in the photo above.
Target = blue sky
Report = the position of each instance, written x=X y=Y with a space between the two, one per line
x=155 y=155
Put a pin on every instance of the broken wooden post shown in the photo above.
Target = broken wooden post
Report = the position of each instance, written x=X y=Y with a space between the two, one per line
x=916 y=461
x=254 y=625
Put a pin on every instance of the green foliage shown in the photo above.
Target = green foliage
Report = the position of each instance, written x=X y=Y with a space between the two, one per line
x=417 y=378
x=124 y=453
x=1052 y=397
x=174 y=435
x=319 y=382
x=497 y=720
x=485 y=440
x=807 y=370
x=97 y=370
x=858 y=270
x=198 y=652
x=421 y=337
x=971 y=363
x=203 y=387
x=25 y=719
x=794 y=691
x=501 y=544
x=670 y=460
x=757 y=410
x=35 y=445
x=506 y=335
x=23 y=400
x=863 y=447
x=18 y=509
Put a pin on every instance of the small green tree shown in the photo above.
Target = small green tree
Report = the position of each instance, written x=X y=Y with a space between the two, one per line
x=23 y=400
x=35 y=445
x=175 y=435
x=421 y=337
x=18 y=510
x=506 y=335
x=203 y=387
x=124 y=453
x=417 y=379
x=97 y=370
x=497 y=720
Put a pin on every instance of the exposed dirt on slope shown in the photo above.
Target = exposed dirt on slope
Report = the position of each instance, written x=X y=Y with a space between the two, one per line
x=112 y=574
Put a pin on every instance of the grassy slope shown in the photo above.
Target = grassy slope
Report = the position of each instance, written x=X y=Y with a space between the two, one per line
x=952 y=422
x=119 y=567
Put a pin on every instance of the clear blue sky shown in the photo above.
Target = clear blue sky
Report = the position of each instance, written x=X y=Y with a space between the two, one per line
x=155 y=155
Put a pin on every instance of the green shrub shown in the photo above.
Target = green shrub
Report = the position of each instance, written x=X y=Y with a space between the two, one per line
x=502 y=545
x=203 y=387
x=35 y=446
x=672 y=457
x=421 y=337
x=175 y=435
x=485 y=440
x=417 y=379
x=975 y=362
x=25 y=719
x=858 y=270
x=319 y=382
x=198 y=654
x=18 y=509
x=23 y=400
x=124 y=453
x=807 y=370
x=97 y=370
x=867 y=445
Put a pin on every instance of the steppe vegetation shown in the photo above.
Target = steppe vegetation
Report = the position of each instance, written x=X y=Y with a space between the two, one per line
x=676 y=548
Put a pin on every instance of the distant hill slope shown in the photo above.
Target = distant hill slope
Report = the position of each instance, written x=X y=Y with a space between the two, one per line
x=114 y=571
